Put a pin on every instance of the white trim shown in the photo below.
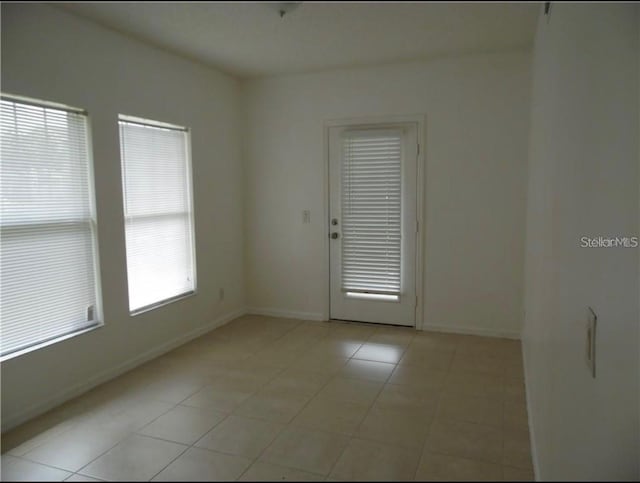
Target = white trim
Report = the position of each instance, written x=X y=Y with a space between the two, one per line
x=532 y=430
x=507 y=334
x=421 y=121
x=43 y=406
x=421 y=185
x=287 y=314
x=46 y=343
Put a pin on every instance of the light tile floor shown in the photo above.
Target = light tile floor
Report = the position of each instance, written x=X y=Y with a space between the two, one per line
x=264 y=398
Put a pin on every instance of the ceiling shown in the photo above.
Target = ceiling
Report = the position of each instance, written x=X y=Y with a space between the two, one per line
x=252 y=40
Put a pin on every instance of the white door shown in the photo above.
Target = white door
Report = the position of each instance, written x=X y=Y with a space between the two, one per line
x=372 y=223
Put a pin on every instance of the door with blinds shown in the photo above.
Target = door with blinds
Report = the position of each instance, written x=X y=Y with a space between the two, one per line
x=372 y=223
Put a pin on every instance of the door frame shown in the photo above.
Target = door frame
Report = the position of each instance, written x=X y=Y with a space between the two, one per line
x=372 y=121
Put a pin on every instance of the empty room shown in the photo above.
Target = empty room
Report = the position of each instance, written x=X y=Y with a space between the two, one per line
x=310 y=241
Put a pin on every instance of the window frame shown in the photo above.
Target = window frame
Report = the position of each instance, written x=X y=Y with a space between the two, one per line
x=92 y=222
x=125 y=118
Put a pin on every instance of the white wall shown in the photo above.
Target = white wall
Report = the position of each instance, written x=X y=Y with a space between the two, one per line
x=583 y=181
x=49 y=54
x=477 y=117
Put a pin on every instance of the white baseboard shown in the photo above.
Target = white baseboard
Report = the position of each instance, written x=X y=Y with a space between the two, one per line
x=287 y=314
x=41 y=407
x=532 y=429
x=507 y=334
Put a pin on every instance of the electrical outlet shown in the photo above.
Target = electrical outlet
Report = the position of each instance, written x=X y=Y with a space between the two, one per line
x=221 y=294
x=592 y=320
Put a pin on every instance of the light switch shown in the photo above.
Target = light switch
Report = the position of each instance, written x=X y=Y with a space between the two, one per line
x=306 y=216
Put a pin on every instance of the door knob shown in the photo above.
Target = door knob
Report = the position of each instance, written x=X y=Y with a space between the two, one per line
x=334 y=235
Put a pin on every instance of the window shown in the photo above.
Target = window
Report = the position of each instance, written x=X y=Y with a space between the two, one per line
x=48 y=248
x=156 y=179
x=371 y=202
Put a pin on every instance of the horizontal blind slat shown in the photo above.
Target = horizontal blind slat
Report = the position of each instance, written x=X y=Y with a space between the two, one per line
x=157 y=204
x=371 y=209
x=47 y=272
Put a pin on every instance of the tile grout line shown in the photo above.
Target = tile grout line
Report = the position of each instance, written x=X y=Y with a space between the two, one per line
x=355 y=432
x=290 y=423
x=219 y=422
x=433 y=419
x=290 y=364
x=135 y=432
x=117 y=443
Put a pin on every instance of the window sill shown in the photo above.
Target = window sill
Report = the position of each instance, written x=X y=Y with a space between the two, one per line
x=162 y=303
x=42 y=345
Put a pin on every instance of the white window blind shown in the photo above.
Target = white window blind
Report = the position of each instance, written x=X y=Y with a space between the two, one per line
x=371 y=208
x=47 y=252
x=156 y=179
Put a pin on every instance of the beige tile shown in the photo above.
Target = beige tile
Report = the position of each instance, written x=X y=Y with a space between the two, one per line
x=465 y=440
x=418 y=376
x=273 y=406
x=297 y=381
x=326 y=364
x=336 y=348
x=515 y=416
x=262 y=471
x=517 y=449
x=351 y=390
x=183 y=424
x=437 y=467
x=134 y=459
x=315 y=330
x=401 y=397
x=228 y=355
x=367 y=370
x=494 y=347
x=380 y=353
x=26 y=437
x=372 y=461
x=395 y=336
x=474 y=383
x=277 y=357
x=133 y=415
x=351 y=332
x=241 y=436
x=307 y=450
x=436 y=341
x=275 y=369
x=253 y=369
x=246 y=374
x=294 y=343
x=222 y=395
x=172 y=391
x=517 y=474
x=77 y=447
x=18 y=469
x=474 y=409
x=80 y=477
x=406 y=428
x=438 y=360
x=478 y=363
x=198 y=464
x=333 y=416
